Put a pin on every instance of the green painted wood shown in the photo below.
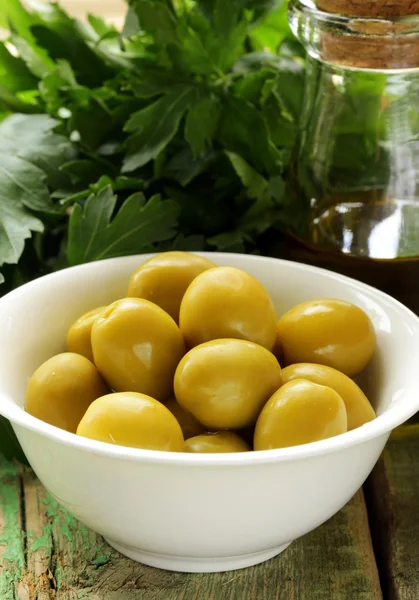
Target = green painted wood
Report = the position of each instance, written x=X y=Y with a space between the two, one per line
x=12 y=541
x=45 y=554
x=393 y=500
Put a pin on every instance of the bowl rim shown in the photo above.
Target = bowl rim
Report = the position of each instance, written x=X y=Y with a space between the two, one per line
x=382 y=426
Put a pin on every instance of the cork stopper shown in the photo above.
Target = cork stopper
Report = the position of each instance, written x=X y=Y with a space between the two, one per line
x=370 y=8
x=379 y=34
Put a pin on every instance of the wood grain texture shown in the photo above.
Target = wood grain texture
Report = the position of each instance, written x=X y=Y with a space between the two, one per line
x=47 y=555
x=393 y=498
x=12 y=538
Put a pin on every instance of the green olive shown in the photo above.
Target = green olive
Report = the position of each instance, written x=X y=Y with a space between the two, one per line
x=300 y=412
x=61 y=390
x=225 y=383
x=220 y=442
x=328 y=332
x=80 y=333
x=357 y=405
x=227 y=303
x=137 y=347
x=134 y=420
x=165 y=278
x=189 y=425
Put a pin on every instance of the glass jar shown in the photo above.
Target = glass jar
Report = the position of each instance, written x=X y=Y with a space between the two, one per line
x=356 y=171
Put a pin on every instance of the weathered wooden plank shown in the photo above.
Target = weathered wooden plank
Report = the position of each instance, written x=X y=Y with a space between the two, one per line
x=41 y=555
x=393 y=499
x=62 y=560
x=337 y=560
x=12 y=554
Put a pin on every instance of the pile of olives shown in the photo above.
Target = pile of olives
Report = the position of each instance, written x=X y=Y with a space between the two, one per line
x=190 y=361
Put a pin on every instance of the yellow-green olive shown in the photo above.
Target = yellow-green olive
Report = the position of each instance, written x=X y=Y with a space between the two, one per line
x=61 y=390
x=225 y=383
x=227 y=303
x=80 y=333
x=165 y=278
x=137 y=347
x=358 y=407
x=189 y=425
x=134 y=420
x=328 y=332
x=300 y=412
x=220 y=442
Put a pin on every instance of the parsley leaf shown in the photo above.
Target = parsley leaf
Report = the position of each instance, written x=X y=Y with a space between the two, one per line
x=12 y=12
x=230 y=241
x=14 y=74
x=24 y=172
x=244 y=131
x=256 y=185
x=268 y=196
x=21 y=188
x=137 y=226
x=59 y=36
x=202 y=123
x=272 y=30
x=157 y=17
x=154 y=127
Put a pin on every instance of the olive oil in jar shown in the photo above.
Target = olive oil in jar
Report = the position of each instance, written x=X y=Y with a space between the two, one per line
x=369 y=228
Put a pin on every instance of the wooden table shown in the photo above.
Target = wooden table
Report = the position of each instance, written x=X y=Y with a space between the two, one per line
x=369 y=551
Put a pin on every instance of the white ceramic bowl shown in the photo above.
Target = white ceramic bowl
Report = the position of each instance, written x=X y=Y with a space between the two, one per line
x=201 y=513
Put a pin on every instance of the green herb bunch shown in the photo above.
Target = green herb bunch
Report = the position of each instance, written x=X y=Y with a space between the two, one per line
x=175 y=133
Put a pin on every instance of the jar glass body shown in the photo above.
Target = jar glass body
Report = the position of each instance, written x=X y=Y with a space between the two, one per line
x=356 y=169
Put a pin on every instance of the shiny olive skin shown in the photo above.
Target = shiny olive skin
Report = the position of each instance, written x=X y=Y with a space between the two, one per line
x=165 y=278
x=225 y=383
x=189 y=425
x=226 y=302
x=300 y=412
x=358 y=407
x=61 y=390
x=80 y=333
x=328 y=332
x=214 y=443
x=134 y=420
x=137 y=347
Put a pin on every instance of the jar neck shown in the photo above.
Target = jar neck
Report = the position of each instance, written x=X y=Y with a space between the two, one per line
x=359 y=42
